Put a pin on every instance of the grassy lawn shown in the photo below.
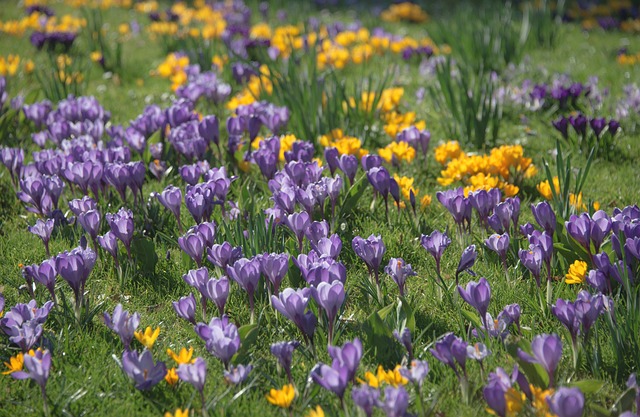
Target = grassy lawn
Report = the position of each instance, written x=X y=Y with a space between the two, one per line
x=86 y=378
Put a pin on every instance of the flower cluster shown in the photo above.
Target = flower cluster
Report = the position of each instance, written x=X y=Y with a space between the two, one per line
x=504 y=167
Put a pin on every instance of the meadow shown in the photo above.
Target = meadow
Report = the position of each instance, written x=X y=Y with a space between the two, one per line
x=332 y=208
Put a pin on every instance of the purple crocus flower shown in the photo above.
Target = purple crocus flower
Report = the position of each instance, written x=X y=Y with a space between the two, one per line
x=332 y=378
x=237 y=374
x=380 y=179
x=565 y=312
x=349 y=165
x=500 y=245
x=451 y=350
x=274 y=266
x=366 y=397
x=142 y=370
x=567 y=402
x=221 y=338
x=75 y=267
x=23 y=323
x=292 y=304
x=457 y=204
x=436 y=243
x=370 y=250
x=44 y=274
x=217 y=290
x=171 y=199
x=547 y=351
x=283 y=351
x=467 y=259
x=484 y=202
x=405 y=339
x=246 y=272
x=396 y=401
x=194 y=374
x=348 y=357
x=83 y=204
x=417 y=373
x=562 y=125
x=579 y=228
x=298 y=223
x=545 y=217
x=185 y=308
x=193 y=245
x=121 y=225
x=37 y=367
x=532 y=260
x=90 y=222
x=223 y=255
x=123 y=324
x=328 y=247
x=600 y=227
x=598 y=124
x=109 y=242
x=477 y=295
x=43 y=229
x=399 y=271
x=330 y=297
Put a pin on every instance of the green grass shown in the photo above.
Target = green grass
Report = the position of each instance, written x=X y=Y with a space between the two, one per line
x=86 y=378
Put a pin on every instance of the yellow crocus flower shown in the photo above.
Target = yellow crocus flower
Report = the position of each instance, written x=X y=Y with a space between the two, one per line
x=282 y=397
x=148 y=337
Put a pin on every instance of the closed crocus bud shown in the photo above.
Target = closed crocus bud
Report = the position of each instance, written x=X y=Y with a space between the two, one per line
x=562 y=125
x=598 y=124
x=600 y=228
x=331 y=155
x=193 y=245
x=298 y=223
x=223 y=254
x=246 y=272
x=209 y=129
x=274 y=266
x=348 y=356
x=380 y=179
x=171 y=199
x=185 y=308
x=90 y=222
x=43 y=229
x=436 y=243
x=477 y=295
x=292 y=304
x=567 y=402
x=545 y=217
x=467 y=260
x=579 y=228
x=494 y=394
x=109 y=242
x=330 y=297
x=370 y=161
x=217 y=290
x=316 y=231
x=579 y=123
x=349 y=165
x=190 y=173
